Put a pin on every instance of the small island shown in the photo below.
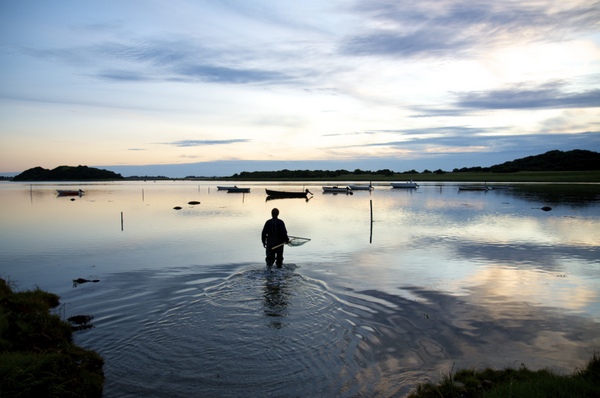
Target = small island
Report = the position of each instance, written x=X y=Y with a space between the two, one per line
x=68 y=173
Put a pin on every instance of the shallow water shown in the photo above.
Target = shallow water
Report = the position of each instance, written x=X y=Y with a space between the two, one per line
x=438 y=279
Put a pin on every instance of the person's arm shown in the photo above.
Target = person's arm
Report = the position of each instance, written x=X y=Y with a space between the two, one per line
x=263 y=235
x=284 y=234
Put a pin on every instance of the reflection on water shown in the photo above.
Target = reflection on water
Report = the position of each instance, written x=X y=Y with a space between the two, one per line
x=184 y=306
x=276 y=297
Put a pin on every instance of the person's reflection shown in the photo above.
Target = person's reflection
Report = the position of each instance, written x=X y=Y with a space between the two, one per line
x=275 y=296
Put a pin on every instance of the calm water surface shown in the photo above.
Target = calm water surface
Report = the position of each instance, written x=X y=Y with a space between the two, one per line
x=435 y=279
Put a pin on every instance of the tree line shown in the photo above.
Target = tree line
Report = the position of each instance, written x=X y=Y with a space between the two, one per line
x=575 y=160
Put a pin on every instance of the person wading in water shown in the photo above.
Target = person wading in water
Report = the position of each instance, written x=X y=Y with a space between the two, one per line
x=274 y=234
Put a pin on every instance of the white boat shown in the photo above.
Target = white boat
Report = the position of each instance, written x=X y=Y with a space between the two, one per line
x=336 y=189
x=361 y=187
x=408 y=184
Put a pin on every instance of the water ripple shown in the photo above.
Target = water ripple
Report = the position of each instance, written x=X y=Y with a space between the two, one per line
x=246 y=331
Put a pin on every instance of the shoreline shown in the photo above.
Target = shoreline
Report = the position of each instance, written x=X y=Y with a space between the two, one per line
x=583 y=177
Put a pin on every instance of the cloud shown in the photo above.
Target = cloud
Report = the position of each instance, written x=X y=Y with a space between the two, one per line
x=166 y=60
x=219 y=74
x=429 y=43
x=460 y=139
x=122 y=75
x=551 y=95
x=432 y=28
x=191 y=143
x=543 y=97
x=459 y=131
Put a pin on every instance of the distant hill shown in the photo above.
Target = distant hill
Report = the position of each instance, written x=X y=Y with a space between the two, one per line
x=576 y=160
x=67 y=173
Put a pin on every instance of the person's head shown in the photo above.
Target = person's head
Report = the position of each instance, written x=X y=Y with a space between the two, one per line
x=275 y=213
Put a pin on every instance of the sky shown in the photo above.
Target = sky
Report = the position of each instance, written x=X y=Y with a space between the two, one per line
x=212 y=88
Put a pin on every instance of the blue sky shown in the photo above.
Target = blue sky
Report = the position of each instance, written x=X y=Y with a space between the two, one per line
x=212 y=88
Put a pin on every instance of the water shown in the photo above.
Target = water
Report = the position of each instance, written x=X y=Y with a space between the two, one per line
x=437 y=280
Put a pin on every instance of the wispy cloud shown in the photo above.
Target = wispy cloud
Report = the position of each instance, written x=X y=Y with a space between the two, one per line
x=122 y=75
x=463 y=140
x=433 y=28
x=547 y=96
x=167 y=60
x=219 y=74
x=192 y=143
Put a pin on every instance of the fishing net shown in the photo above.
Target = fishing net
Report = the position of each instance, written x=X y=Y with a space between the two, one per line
x=294 y=241
x=297 y=241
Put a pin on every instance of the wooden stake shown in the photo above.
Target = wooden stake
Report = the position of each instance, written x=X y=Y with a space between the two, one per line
x=371 y=236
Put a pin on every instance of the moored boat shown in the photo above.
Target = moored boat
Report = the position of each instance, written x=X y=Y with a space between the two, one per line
x=287 y=194
x=361 y=187
x=484 y=188
x=408 y=184
x=336 y=189
x=225 y=188
x=238 y=190
x=69 y=192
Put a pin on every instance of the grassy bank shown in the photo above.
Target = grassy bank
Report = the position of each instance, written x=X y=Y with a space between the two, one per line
x=515 y=383
x=37 y=355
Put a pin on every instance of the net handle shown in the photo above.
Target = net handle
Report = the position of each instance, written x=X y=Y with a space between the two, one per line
x=291 y=238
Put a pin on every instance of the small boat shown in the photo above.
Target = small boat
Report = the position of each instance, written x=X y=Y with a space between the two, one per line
x=69 y=192
x=224 y=188
x=361 y=187
x=336 y=189
x=287 y=194
x=408 y=184
x=474 y=188
x=238 y=190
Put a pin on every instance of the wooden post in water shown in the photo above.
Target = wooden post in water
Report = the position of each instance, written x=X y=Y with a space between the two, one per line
x=143 y=195
x=371 y=236
x=121 y=221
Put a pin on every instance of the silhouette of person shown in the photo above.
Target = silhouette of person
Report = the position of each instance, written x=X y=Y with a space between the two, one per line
x=273 y=236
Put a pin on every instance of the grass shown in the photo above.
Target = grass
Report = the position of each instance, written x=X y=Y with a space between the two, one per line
x=515 y=383
x=37 y=355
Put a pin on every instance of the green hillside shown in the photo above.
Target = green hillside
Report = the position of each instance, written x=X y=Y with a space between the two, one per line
x=576 y=160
